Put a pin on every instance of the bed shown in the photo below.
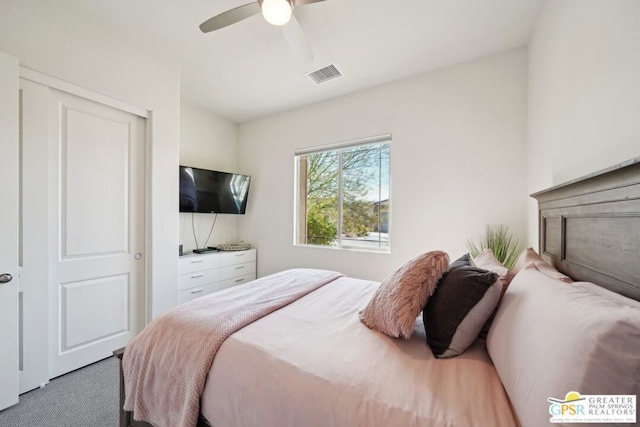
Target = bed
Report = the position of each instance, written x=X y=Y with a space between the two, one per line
x=313 y=363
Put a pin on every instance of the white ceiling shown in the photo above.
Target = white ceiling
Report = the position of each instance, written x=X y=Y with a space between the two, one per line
x=246 y=71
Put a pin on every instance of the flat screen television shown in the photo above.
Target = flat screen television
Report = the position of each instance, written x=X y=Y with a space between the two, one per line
x=207 y=191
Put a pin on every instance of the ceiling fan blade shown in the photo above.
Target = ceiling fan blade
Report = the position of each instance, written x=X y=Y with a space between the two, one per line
x=303 y=2
x=230 y=17
x=297 y=40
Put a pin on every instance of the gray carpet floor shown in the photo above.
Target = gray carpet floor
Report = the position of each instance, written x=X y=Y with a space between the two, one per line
x=88 y=397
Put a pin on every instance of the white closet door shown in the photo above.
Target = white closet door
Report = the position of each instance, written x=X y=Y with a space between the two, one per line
x=97 y=267
x=34 y=276
x=9 y=216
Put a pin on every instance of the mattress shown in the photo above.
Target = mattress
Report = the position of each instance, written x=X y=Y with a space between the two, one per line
x=313 y=363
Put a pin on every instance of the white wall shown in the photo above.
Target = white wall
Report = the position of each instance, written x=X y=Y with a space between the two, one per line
x=54 y=41
x=208 y=142
x=584 y=91
x=457 y=163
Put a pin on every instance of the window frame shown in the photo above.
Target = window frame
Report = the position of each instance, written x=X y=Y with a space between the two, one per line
x=300 y=211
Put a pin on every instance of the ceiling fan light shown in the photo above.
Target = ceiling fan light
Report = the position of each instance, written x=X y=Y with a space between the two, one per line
x=276 y=12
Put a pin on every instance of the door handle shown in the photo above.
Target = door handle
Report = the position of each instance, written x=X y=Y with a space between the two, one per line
x=5 y=278
x=138 y=255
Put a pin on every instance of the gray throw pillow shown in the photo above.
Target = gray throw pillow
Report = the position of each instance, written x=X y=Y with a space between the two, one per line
x=461 y=304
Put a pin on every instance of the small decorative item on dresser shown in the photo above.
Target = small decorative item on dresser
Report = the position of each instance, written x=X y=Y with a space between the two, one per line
x=241 y=246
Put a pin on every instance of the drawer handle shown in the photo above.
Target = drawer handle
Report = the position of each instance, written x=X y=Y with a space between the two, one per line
x=196 y=292
x=197 y=276
x=239 y=280
x=198 y=261
x=240 y=254
x=240 y=268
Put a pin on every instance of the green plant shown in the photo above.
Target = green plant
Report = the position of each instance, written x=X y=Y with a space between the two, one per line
x=506 y=248
x=322 y=220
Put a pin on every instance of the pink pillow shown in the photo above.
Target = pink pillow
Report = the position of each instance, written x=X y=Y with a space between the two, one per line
x=548 y=339
x=606 y=293
x=394 y=307
x=530 y=256
x=488 y=261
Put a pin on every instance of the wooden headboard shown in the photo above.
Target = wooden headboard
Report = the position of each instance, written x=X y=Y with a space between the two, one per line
x=589 y=228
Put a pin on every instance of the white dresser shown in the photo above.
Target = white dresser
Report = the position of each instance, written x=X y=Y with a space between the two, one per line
x=201 y=274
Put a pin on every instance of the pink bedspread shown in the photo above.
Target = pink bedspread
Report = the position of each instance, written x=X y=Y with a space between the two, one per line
x=314 y=364
x=166 y=365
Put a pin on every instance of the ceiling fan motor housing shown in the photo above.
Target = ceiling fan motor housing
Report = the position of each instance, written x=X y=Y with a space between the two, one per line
x=276 y=12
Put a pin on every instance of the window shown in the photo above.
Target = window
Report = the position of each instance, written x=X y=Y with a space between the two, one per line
x=343 y=195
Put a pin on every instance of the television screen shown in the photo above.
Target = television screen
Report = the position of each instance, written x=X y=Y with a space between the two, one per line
x=206 y=191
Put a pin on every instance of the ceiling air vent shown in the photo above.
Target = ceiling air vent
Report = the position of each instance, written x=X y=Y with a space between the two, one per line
x=324 y=74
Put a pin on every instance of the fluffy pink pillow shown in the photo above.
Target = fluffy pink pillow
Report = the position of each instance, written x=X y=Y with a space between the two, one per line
x=394 y=307
x=488 y=261
x=530 y=256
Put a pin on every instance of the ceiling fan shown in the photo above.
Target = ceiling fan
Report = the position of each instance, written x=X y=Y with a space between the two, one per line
x=275 y=12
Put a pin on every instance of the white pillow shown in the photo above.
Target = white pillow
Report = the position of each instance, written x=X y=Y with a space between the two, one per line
x=548 y=339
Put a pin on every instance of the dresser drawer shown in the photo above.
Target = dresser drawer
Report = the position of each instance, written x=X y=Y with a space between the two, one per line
x=237 y=280
x=198 y=278
x=193 y=293
x=237 y=270
x=192 y=263
x=239 y=257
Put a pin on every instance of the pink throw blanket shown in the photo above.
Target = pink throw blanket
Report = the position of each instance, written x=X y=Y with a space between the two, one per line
x=166 y=365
